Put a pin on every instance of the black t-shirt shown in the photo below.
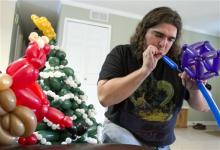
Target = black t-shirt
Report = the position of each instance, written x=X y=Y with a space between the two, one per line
x=150 y=112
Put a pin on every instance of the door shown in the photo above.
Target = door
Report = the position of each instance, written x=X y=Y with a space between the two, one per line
x=86 y=45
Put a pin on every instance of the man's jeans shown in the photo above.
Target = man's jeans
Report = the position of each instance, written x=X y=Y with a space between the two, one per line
x=113 y=133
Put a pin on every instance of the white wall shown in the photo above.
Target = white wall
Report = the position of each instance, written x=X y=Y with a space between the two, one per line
x=7 y=9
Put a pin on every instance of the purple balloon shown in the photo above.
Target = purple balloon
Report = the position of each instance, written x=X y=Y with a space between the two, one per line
x=216 y=63
x=209 y=58
x=200 y=60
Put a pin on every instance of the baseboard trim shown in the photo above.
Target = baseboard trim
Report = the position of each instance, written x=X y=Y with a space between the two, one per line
x=190 y=123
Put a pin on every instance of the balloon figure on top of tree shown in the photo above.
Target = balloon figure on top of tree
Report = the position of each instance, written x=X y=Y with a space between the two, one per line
x=62 y=89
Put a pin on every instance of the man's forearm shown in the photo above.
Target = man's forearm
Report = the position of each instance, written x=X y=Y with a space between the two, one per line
x=116 y=90
x=197 y=101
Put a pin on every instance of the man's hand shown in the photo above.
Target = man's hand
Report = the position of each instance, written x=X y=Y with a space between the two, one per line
x=151 y=55
x=189 y=83
x=196 y=99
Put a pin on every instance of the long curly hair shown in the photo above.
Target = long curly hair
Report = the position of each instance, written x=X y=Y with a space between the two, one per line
x=154 y=17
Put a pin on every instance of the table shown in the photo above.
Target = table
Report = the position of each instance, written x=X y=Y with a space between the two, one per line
x=75 y=147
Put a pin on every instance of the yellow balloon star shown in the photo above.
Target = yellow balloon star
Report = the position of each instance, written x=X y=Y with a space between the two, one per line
x=44 y=25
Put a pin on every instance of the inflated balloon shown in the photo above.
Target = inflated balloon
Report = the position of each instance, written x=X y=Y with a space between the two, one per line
x=28 y=119
x=44 y=25
x=5 y=81
x=29 y=140
x=19 y=123
x=7 y=101
x=201 y=62
x=6 y=138
x=59 y=118
x=24 y=73
x=7 y=104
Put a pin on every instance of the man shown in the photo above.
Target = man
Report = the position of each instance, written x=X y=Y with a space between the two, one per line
x=142 y=93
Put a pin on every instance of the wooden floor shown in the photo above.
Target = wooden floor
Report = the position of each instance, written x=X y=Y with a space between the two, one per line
x=192 y=139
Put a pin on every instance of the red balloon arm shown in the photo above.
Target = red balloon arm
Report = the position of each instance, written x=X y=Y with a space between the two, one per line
x=39 y=92
x=46 y=49
x=16 y=65
x=57 y=117
x=41 y=99
x=32 y=50
x=27 y=97
x=35 y=56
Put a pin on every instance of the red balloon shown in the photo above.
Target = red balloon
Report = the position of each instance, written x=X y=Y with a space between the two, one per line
x=58 y=117
x=28 y=98
x=40 y=113
x=16 y=65
x=22 y=140
x=23 y=73
x=67 y=122
x=31 y=140
x=39 y=92
x=54 y=115
x=32 y=51
x=46 y=49
x=35 y=55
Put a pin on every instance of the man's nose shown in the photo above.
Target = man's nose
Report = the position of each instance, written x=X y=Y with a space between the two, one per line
x=163 y=42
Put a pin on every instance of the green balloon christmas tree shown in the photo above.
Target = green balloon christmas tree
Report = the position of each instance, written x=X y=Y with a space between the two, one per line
x=63 y=91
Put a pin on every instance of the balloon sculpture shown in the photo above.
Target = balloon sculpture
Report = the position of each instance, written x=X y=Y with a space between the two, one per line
x=15 y=121
x=24 y=73
x=201 y=62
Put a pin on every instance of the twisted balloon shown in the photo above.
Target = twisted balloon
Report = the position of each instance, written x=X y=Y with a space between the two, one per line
x=44 y=25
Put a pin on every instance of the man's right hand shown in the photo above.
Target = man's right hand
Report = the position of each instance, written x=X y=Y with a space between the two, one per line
x=151 y=55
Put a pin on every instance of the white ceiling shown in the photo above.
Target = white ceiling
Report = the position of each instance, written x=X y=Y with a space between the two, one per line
x=198 y=15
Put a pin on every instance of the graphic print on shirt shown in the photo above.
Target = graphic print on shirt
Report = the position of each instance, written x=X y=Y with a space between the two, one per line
x=153 y=100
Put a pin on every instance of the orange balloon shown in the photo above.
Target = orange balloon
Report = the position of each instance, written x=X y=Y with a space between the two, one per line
x=17 y=127
x=28 y=118
x=5 y=81
x=7 y=101
x=5 y=137
x=6 y=122
x=21 y=122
